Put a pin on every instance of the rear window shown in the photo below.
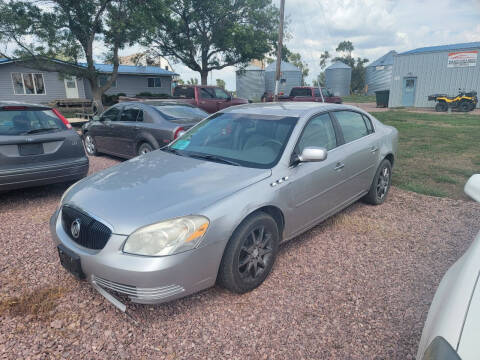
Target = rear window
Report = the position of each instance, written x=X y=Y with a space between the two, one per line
x=174 y=112
x=301 y=92
x=18 y=122
x=184 y=92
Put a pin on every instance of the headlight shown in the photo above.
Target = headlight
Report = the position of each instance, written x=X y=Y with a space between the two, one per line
x=167 y=237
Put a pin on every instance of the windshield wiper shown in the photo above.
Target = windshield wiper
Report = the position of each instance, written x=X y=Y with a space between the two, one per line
x=171 y=150
x=39 y=130
x=213 y=158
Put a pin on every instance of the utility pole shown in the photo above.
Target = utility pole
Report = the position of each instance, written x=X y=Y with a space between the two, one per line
x=279 y=50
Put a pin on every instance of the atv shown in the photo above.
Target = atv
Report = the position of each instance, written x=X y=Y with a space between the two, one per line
x=464 y=101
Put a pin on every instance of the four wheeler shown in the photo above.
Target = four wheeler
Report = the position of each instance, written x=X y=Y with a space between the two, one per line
x=464 y=101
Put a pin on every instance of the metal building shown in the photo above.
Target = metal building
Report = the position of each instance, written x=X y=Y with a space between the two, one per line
x=432 y=70
x=290 y=76
x=379 y=73
x=338 y=77
x=250 y=83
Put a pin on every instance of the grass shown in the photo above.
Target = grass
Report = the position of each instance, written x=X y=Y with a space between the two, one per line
x=359 y=98
x=437 y=152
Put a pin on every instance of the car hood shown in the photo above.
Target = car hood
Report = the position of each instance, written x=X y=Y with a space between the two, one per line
x=157 y=186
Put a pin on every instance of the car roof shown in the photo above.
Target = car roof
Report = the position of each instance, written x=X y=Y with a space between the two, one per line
x=18 y=103
x=294 y=109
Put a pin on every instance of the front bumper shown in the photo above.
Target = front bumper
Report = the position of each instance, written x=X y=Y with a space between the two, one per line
x=146 y=280
x=43 y=174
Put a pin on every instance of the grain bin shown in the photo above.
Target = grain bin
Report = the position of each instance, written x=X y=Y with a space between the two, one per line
x=250 y=83
x=338 y=77
x=290 y=76
x=379 y=73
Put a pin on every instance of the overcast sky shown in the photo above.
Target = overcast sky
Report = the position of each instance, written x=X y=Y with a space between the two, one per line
x=374 y=26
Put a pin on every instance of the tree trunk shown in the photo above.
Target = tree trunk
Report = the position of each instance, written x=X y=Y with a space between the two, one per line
x=204 y=76
x=97 y=96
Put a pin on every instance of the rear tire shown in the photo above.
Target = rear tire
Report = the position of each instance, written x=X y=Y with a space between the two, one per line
x=90 y=145
x=441 y=106
x=144 y=148
x=250 y=254
x=380 y=185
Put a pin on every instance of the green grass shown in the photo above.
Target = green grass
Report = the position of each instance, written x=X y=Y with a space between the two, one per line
x=358 y=98
x=437 y=152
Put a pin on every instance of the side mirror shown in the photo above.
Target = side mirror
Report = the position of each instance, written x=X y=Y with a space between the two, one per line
x=96 y=118
x=313 y=154
x=472 y=187
x=229 y=98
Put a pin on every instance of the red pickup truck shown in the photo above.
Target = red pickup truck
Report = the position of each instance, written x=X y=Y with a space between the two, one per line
x=306 y=93
x=209 y=98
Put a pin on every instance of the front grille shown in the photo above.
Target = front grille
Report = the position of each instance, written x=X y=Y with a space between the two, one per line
x=92 y=233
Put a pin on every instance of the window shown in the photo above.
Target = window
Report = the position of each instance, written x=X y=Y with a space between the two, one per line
x=111 y=114
x=368 y=122
x=326 y=93
x=316 y=92
x=318 y=132
x=352 y=124
x=184 y=92
x=154 y=82
x=102 y=80
x=206 y=93
x=28 y=84
x=131 y=114
x=16 y=122
x=220 y=94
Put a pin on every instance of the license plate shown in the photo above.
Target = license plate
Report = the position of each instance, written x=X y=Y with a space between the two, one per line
x=30 y=149
x=70 y=261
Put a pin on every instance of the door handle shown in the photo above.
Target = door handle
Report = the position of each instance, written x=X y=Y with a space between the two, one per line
x=374 y=149
x=339 y=166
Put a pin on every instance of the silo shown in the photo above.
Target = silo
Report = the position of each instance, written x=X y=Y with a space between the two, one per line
x=338 y=77
x=379 y=73
x=290 y=76
x=250 y=83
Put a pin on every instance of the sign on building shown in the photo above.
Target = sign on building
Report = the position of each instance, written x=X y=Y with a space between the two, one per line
x=462 y=59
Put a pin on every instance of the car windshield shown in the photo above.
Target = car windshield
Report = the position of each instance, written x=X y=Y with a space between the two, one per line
x=173 y=112
x=18 y=122
x=248 y=140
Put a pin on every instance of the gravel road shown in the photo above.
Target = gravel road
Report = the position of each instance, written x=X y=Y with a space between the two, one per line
x=355 y=287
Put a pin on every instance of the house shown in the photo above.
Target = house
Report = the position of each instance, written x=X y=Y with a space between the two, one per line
x=19 y=82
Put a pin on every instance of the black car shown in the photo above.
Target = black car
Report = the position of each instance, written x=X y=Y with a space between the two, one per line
x=133 y=128
x=38 y=146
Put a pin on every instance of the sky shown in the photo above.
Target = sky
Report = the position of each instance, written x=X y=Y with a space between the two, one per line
x=373 y=26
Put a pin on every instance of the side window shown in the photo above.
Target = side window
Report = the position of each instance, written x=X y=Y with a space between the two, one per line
x=205 y=93
x=220 y=94
x=325 y=92
x=318 y=132
x=130 y=113
x=368 y=122
x=352 y=124
x=111 y=114
x=316 y=92
x=140 y=115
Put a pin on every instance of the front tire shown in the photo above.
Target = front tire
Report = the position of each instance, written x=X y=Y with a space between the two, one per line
x=90 y=145
x=465 y=106
x=441 y=106
x=144 y=148
x=381 y=184
x=250 y=254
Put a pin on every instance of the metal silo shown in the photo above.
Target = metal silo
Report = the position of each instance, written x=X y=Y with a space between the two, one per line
x=379 y=73
x=290 y=76
x=338 y=77
x=250 y=83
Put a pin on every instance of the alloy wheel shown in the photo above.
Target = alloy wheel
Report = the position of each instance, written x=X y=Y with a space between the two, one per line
x=256 y=253
x=383 y=183
x=89 y=144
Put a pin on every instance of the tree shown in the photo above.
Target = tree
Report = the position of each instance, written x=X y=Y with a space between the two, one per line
x=346 y=48
x=192 y=81
x=358 y=70
x=220 y=83
x=67 y=29
x=323 y=59
x=208 y=35
x=296 y=59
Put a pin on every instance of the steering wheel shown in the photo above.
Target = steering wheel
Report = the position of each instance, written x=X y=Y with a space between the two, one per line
x=272 y=141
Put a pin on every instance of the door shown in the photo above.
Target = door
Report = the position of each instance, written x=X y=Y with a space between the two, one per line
x=102 y=132
x=315 y=188
x=71 y=87
x=409 y=86
x=360 y=151
x=223 y=99
x=208 y=102
x=125 y=130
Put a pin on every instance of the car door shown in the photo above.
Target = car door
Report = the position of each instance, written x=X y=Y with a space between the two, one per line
x=125 y=130
x=360 y=151
x=222 y=98
x=315 y=189
x=102 y=131
x=208 y=102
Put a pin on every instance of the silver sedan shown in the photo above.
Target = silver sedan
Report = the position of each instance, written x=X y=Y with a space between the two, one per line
x=214 y=205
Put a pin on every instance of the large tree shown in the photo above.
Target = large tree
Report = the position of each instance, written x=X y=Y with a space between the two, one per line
x=69 y=29
x=346 y=48
x=208 y=35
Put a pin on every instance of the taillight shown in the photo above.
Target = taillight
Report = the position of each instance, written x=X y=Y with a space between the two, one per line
x=61 y=117
x=179 y=132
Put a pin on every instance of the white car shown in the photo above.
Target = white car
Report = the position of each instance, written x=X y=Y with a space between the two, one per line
x=452 y=329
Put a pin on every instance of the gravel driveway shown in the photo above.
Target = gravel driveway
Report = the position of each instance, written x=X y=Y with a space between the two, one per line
x=355 y=287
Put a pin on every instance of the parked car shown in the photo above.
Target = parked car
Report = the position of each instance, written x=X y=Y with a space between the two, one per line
x=131 y=128
x=209 y=98
x=38 y=146
x=216 y=203
x=306 y=94
x=452 y=329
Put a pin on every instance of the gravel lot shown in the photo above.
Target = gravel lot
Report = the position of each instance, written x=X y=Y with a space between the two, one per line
x=355 y=287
